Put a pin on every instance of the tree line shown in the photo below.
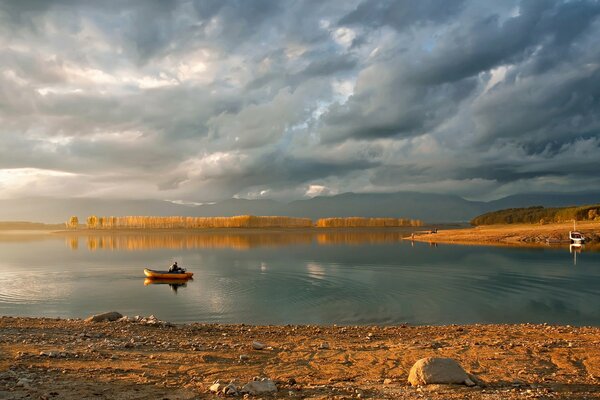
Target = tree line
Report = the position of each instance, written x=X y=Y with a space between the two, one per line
x=539 y=215
x=241 y=221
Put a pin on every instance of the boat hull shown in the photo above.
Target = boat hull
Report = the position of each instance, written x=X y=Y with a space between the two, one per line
x=166 y=274
x=576 y=238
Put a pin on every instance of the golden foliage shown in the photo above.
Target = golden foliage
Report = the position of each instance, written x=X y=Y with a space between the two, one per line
x=92 y=222
x=72 y=223
x=360 y=222
x=242 y=221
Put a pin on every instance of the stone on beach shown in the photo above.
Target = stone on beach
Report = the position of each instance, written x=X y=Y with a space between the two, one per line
x=258 y=346
x=438 y=370
x=108 y=316
x=216 y=387
x=265 y=385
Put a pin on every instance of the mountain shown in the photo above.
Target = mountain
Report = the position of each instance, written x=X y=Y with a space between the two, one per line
x=425 y=206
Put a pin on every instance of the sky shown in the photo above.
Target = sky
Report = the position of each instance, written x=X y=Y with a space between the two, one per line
x=198 y=101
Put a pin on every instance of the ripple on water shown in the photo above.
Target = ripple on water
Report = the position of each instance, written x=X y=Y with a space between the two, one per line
x=30 y=289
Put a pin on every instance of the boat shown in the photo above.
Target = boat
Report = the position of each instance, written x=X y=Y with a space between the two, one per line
x=150 y=273
x=575 y=236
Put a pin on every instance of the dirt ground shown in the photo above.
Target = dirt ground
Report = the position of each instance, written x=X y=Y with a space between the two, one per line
x=72 y=359
x=514 y=234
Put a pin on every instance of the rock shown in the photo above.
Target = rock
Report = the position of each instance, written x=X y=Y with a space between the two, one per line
x=216 y=387
x=324 y=346
x=259 y=387
x=230 y=390
x=438 y=370
x=387 y=381
x=109 y=316
x=258 y=346
x=24 y=383
x=474 y=381
x=244 y=357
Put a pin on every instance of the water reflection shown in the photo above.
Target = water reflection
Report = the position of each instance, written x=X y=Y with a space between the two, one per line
x=174 y=284
x=236 y=241
x=305 y=276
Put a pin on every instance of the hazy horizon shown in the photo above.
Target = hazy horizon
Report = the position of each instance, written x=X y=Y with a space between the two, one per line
x=198 y=101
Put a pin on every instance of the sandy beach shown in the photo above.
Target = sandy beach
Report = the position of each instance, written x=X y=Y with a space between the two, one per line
x=72 y=359
x=513 y=234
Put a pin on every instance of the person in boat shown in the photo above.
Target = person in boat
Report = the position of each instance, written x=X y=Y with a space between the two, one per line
x=175 y=268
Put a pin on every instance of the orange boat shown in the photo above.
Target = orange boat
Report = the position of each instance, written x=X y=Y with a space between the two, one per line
x=150 y=273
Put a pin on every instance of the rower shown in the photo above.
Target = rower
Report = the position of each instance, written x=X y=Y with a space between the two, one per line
x=174 y=268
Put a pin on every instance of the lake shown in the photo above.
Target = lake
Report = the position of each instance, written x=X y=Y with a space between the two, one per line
x=337 y=277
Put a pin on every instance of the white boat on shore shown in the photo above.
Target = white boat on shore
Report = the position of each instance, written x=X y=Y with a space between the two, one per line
x=575 y=236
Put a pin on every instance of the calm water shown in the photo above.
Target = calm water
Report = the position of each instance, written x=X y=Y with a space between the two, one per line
x=280 y=278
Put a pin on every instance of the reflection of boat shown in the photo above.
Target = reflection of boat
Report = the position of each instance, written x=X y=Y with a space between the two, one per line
x=174 y=284
x=159 y=281
x=574 y=249
x=150 y=273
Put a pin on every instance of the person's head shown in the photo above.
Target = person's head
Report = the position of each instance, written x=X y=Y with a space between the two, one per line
x=175 y=263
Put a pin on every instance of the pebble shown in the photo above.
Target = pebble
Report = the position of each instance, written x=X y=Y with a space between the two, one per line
x=258 y=346
x=216 y=387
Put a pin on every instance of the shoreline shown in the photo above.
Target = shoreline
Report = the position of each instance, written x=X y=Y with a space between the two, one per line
x=118 y=360
x=515 y=235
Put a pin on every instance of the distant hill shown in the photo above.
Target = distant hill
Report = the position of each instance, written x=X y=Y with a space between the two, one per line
x=539 y=214
x=424 y=206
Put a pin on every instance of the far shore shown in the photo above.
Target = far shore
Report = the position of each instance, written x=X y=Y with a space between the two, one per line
x=514 y=234
x=522 y=235
x=46 y=358
x=87 y=231
x=271 y=230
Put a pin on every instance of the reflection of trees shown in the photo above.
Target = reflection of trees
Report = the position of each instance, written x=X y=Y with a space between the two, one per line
x=73 y=242
x=237 y=241
x=345 y=237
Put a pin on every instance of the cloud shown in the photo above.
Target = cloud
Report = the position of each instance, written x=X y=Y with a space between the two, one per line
x=196 y=101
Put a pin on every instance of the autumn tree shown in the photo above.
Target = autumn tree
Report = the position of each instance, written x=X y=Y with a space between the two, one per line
x=72 y=223
x=92 y=222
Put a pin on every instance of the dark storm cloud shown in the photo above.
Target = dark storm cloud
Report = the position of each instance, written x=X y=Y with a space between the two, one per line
x=182 y=98
x=545 y=110
x=401 y=14
x=392 y=106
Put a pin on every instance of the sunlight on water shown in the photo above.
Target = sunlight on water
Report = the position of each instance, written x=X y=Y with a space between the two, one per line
x=344 y=277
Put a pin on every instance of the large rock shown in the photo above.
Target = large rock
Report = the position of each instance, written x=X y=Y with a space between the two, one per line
x=259 y=387
x=438 y=370
x=108 y=316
